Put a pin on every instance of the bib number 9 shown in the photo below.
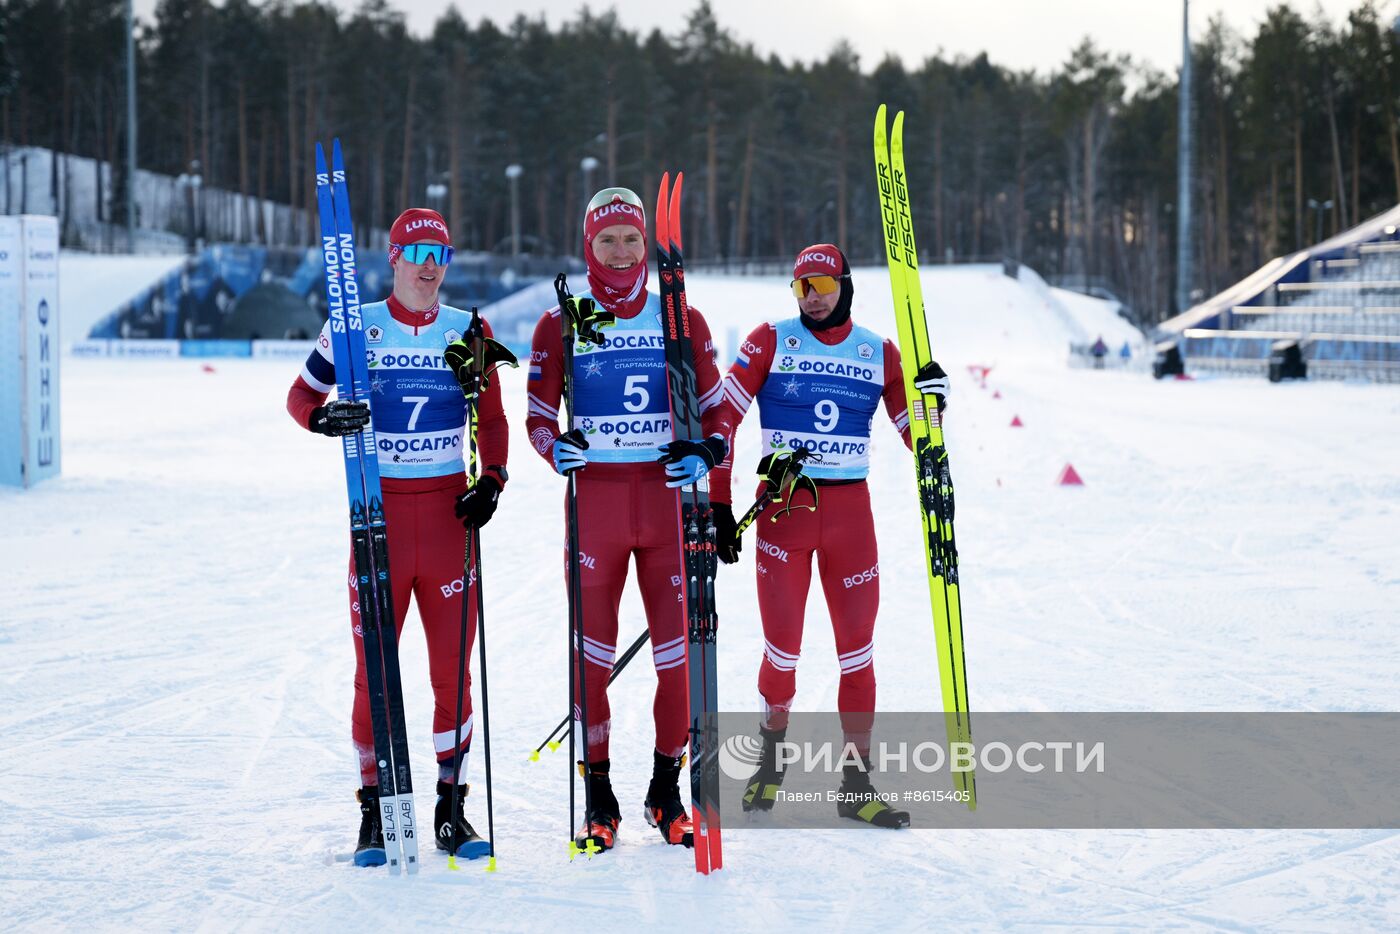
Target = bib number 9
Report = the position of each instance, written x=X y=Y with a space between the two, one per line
x=827 y=415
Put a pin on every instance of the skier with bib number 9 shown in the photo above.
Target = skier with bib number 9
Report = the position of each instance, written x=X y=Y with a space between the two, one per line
x=419 y=417
x=818 y=379
x=628 y=468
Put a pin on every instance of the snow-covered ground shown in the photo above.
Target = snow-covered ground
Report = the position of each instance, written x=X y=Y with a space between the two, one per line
x=175 y=677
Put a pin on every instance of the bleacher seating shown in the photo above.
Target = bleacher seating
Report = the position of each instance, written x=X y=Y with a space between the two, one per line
x=1339 y=300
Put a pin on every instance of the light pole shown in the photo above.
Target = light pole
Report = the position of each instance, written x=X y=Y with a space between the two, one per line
x=130 y=128
x=190 y=183
x=589 y=164
x=437 y=192
x=513 y=173
x=1183 y=167
x=1318 y=207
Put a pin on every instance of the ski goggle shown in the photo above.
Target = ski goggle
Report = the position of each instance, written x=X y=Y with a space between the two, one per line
x=418 y=253
x=606 y=196
x=822 y=285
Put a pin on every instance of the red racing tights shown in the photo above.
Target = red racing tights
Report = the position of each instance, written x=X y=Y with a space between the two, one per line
x=841 y=533
x=426 y=548
x=626 y=511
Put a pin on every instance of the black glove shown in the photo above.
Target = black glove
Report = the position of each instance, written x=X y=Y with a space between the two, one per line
x=932 y=379
x=476 y=506
x=339 y=418
x=727 y=540
x=711 y=451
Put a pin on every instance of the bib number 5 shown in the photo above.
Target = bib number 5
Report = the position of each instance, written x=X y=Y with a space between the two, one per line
x=636 y=387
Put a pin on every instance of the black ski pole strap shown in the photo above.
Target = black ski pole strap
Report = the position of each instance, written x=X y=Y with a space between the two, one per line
x=582 y=316
x=587 y=319
x=782 y=476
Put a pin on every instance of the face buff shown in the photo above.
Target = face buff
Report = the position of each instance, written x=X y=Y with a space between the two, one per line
x=619 y=290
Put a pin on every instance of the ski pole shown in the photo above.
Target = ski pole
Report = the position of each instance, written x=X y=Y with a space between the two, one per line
x=485 y=706
x=617 y=669
x=468 y=373
x=576 y=325
x=472 y=361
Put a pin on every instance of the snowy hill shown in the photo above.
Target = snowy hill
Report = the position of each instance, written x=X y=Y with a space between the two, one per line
x=92 y=286
x=175 y=690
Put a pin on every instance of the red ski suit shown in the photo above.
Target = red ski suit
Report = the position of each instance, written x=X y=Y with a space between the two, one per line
x=625 y=511
x=841 y=534
x=426 y=545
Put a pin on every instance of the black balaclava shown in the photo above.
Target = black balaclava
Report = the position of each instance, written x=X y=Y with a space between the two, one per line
x=805 y=266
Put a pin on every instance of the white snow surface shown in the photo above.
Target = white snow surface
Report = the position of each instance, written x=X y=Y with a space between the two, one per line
x=1100 y=318
x=176 y=677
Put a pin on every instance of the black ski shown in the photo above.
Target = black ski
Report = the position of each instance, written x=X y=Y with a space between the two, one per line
x=699 y=557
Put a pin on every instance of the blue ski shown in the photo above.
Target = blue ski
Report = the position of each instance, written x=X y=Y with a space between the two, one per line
x=368 y=534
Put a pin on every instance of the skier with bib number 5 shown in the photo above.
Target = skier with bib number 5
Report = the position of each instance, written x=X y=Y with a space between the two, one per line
x=419 y=417
x=628 y=467
x=818 y=379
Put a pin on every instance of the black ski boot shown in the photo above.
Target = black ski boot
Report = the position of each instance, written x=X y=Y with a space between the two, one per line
x=859 y=800
x=454 y=834
x=599 y=830
x=663 y=808
x=763 y=787
x=369 y=851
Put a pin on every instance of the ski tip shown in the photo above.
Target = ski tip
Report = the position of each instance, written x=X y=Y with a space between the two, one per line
x=880 y=113
x=335 y=150
x=675 y=208
x=320 y=159
x=663 y=239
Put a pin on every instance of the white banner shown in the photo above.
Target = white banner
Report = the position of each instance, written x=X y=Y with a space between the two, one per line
x=89 y=348
x=29 y=335
x=143 y=348
x=288 y=350
x=41 y=336
x=11 y=354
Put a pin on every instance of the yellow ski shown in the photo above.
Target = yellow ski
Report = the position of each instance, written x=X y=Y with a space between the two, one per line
x=935 y=484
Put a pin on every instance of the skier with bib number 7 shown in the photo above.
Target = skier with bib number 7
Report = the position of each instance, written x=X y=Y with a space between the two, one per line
x=818 y=380
x=419 y=417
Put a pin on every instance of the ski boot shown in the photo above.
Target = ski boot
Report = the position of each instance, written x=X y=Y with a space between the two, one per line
x=859 y=801
x=663 y=808
x=453 y=832
x=369 y=851
x=763 y=786
x=599 y=830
